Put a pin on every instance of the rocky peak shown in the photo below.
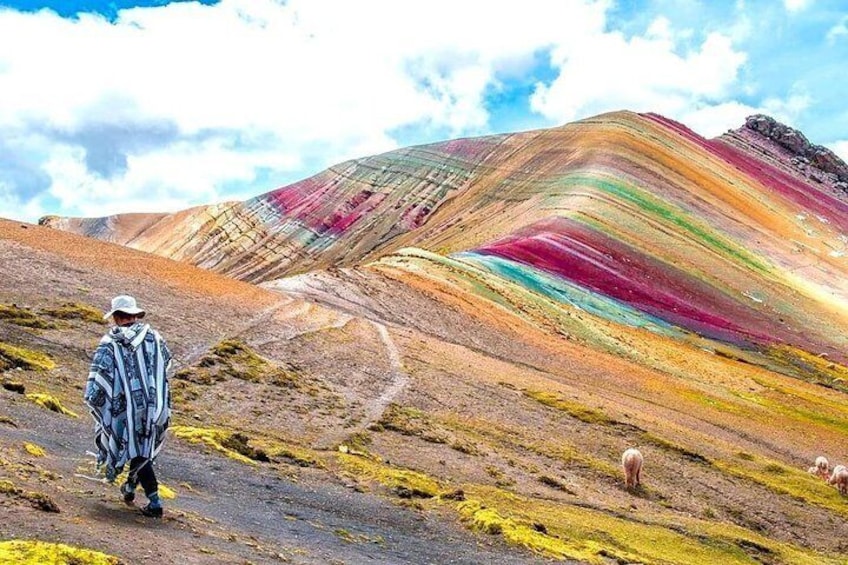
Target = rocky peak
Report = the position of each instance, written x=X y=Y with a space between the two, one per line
x=803 y=153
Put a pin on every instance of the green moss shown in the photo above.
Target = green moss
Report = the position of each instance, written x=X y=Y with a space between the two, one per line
x=562 y=531
x=297 y=456
x=212 y=438
x=675 y=448
x=785 y=480
x=38 y=500
x=465 y=447
x=167 y=492
x=27 y=552
x=49 y=402
x=239 y=443
x=411 y=421
x=25 y=317
x=520 y=533
x=359 y=441
x=75 y=311
x=554 y=483
x=811 y=368
x=234 y=359
x=573 y=409
x=12 y=357
x=403 y=482
x=34 y=449
x=239 y=361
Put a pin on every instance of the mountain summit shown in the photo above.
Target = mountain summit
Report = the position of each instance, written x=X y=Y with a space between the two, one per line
x=740 y=239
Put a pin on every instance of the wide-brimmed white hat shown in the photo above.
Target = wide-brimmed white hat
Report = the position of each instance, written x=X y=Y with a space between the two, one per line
x=125 y=304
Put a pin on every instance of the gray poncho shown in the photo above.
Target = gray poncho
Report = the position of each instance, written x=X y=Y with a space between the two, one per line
x=128 y=394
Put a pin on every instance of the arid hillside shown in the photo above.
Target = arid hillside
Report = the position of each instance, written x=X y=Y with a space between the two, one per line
x=371 y=414
x=439 y=354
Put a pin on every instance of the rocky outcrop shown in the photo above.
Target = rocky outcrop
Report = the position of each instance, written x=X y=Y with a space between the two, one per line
x=804 y=155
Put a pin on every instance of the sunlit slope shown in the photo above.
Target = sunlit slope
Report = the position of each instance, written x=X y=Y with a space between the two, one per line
x=657 y=222
x=339 y=216
x=633 y=211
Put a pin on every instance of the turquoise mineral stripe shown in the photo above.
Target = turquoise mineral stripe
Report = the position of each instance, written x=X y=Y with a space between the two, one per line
x=565 y=292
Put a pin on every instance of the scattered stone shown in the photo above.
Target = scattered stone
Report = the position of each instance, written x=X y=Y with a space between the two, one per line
x=539 y=527
x=7 y=420
x=457 y=495
x=20 y=388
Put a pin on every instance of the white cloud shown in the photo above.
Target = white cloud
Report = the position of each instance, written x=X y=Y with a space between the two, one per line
x=608 y=72
x=180 y=100
x=838 y=31
x=714 y=120
x=796 y=5
x=841 y=149
x=173 y=106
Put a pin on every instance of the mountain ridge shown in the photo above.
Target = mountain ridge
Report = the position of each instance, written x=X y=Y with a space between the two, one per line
x=701 y=234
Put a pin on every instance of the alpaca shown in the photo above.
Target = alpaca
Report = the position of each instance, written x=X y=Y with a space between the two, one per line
x=631 y=462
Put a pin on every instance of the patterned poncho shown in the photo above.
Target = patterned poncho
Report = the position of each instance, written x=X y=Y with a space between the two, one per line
x=128 y=394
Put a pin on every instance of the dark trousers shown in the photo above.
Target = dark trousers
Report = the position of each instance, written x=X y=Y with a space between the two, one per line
x=141 y=471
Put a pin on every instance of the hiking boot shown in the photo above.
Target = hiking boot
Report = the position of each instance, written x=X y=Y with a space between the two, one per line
x=128 y=491
x=152 y=511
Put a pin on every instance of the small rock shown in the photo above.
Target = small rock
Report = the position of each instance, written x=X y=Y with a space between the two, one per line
x=15 y=387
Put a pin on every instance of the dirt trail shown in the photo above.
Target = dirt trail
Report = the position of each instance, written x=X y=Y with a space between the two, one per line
x=400 y=379
x=197 y=351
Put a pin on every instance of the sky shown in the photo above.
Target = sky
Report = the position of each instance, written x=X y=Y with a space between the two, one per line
x=154 y=106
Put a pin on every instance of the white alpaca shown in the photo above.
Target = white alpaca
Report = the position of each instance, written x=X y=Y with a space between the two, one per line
x=840 y=479
x=631 y=462
x=821 y=468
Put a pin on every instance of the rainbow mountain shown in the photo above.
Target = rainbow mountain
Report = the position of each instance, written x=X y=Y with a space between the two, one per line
x=615 y=224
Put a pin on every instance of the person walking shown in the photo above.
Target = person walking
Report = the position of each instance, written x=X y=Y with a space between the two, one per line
x=129 y=398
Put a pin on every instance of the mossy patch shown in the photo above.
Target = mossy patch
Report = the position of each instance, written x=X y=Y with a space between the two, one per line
x=563 y=531
x=21 y=316
x=8 y=421
x=216 y=439
x=37 y=500
x=570 y=455
x=166 y=492
x=675 y=448
x=296 y=456
x=28 y=552
x=240 y=443
x=234 y=359
x=51 y=403
x=405 y=483
x=12 y=357
x=573 y=409
x=554 y=483
x=34 y=449
x=811 y=368
x=784 y=480
x=411 y=421
x=350 y=537
x=75 y=311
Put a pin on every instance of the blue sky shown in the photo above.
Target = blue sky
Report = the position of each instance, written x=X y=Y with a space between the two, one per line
x=121 y=106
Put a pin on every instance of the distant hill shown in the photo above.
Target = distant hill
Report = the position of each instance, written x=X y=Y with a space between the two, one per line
x=740 y=239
